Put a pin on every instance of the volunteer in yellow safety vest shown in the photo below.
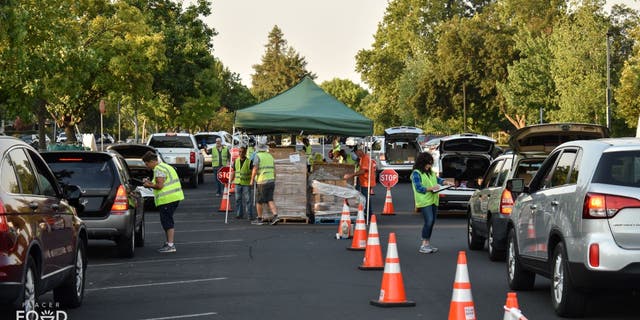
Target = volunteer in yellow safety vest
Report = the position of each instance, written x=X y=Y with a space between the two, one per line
x=264 y=175
x=241 y=176
x=167 y=192
x=219 y=158
x=425 y=187
x=306 y=147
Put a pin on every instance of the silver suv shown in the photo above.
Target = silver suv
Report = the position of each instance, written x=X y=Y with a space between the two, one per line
x=491 y=204
x=399 y=150
x=578 y=222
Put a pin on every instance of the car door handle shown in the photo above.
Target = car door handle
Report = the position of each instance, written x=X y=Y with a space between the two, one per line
x=55 y=207
x=33 y=205
x=533 y=207
x=555 y=203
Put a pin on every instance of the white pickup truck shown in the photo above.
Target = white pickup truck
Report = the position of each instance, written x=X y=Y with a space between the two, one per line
x=180 y=150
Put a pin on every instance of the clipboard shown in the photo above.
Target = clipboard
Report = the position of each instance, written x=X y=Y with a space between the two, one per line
x=443 y=188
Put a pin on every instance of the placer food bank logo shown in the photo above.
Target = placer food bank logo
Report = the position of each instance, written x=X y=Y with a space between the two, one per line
x=44 y=311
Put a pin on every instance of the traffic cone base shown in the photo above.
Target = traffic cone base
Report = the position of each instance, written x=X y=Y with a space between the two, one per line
x=224 y=203
x=373 y=253
x=359 y=242
x=392 y=290
x=388 y=210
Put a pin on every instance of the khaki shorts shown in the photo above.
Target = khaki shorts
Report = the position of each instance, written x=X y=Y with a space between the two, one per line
x=264 y=192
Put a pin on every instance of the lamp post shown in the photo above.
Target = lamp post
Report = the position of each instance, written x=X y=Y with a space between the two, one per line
x=102 y=111
x=608 y=81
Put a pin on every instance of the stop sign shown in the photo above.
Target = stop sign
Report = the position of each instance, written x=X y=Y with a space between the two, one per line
x=223 y=174
x=388 y=178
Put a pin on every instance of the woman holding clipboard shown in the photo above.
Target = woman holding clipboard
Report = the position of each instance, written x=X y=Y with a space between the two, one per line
x=425 y=192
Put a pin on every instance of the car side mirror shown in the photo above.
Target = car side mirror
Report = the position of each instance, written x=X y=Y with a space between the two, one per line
x=515 y=185
x=73 y=193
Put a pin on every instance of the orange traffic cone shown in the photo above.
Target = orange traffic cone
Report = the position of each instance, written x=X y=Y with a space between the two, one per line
x=224 y=203
x=373 y=253
x=388 y=205
x=511 y=308
x=462 y=307
x=344 y=227
x=360 y=234
x=392 y=290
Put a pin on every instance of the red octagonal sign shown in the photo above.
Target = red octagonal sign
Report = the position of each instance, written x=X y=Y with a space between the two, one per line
x=388 y=178
x=223 y=174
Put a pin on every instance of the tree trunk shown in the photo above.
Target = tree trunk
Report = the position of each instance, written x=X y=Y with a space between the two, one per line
x=41 y=114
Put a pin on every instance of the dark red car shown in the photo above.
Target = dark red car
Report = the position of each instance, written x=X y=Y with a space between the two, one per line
x=42 y=240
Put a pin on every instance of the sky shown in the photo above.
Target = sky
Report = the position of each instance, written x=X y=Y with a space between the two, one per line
x=327 y=33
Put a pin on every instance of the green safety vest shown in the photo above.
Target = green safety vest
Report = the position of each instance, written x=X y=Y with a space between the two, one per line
x=350 y=160
x=242 y=173
x=214 y=157
x=266 y=168
x=307 y=152
x=425 y=199
x=172 y=190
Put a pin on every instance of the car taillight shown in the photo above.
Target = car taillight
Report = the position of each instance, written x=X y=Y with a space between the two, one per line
x=192 y=157
x=4 y=225
x=594 y=255
x=121 y=203
x=605 y=206
x=506 y=202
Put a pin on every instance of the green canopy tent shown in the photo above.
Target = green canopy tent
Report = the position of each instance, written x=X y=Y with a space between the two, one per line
x=303 y=109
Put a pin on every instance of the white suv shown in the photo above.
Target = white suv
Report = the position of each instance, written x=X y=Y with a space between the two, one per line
x=578 y=222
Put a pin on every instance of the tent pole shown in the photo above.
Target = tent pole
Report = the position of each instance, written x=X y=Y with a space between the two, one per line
x=369 y=184
x=226 y=214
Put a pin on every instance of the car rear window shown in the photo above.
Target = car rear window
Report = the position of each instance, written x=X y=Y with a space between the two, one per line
x=171 y=142
x=86 y=173
x=207 y=138
x=619 y=168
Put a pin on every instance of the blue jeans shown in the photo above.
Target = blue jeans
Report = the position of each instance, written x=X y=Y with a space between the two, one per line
x=365 y=193
x=429 y=214
x=244 y=201
x=219 y=184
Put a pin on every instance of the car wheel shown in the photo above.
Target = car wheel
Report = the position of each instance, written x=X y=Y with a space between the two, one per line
x=567 y=300
x=517 y=277
x=71 y=293
x=28 y=300
x=495 y=253
x=127 y=244
x=201 y=177
x=193 y=180
x=474 y=241
x=140 y=234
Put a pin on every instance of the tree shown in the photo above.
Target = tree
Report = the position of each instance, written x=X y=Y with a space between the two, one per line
x=579 y=64
x=628 y=100
x=346 y=91
x=281 y=68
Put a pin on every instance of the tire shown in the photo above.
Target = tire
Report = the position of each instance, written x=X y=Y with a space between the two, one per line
x=71 y=293
x=28 y=298
x=193 y=180
x=495 y=253
x=127 y=244
x=517 y=277
x=201 y=177
x=141 y=234
x=567 y=300
x=474 y=241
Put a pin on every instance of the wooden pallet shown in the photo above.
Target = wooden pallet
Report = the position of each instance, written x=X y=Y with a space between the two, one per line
x=293 y=220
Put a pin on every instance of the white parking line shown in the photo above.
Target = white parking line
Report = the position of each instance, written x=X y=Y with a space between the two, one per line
x=184 y=316
x=156 y=284
x=203 y=230
x=213 y=241
x=189 y=221
x=100 y=265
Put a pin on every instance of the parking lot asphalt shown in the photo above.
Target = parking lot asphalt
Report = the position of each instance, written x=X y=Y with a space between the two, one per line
x=236 y=270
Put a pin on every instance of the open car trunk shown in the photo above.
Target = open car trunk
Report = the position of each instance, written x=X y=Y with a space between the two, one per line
x=465 y=171
x=401 y=152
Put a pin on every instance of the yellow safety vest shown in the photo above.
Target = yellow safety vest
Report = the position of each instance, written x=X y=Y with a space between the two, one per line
x=214 y=157
x=266 y=167
x=242 y=173
x=425 y=199
x=172 y=190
